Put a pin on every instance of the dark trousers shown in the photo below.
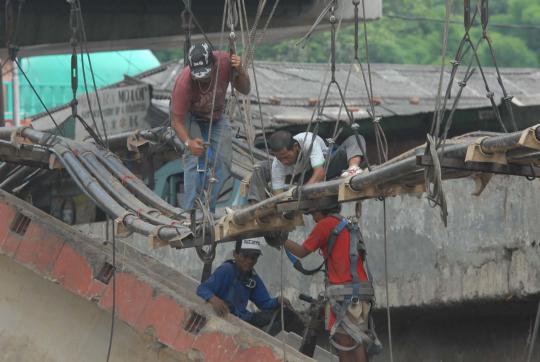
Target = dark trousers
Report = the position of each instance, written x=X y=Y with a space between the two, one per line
x=270 y=321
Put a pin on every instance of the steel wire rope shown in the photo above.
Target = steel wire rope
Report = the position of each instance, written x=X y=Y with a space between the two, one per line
x=389 y=323
x=252 y=61
x=432 y=175
x=13 y=57
x=456 y=62
x=253 y=30
x=206 y=190
x=534 y=335
x=74 y=22
x=208 y=181
x=316 y=109
x=490 y=94
x=85 y=42
x=281 y=278
x=38 y=97
x=194 y=19
x=233 y=103
x=113 y=310
x=438 y=109
x=12 y=47
x=423 y=18
x=380 y=137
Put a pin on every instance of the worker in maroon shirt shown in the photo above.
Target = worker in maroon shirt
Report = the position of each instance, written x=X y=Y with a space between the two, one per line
x=197 y=118
x=348 y=318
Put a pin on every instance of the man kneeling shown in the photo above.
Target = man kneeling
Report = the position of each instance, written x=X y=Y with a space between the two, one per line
x=302 y=159
x=235 y=282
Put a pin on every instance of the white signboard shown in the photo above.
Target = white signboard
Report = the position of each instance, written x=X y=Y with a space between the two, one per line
x=124 y=109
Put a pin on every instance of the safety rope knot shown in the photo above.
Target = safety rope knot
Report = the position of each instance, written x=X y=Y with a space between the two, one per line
x=455 y=62
x=376 y=119
x=355 y=127
x=490 y=95
x=232 y=36
x=331 y=141
x=462 y=83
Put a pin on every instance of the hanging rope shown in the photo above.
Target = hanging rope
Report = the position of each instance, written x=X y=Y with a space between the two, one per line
x=75 y=31
x=534 y=335
x=83 y=50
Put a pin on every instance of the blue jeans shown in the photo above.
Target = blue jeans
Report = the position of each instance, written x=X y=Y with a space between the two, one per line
x=196 y=179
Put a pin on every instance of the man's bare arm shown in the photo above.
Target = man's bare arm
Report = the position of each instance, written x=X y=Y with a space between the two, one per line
x=196 y=145
x=241 y=80
x=317 y=176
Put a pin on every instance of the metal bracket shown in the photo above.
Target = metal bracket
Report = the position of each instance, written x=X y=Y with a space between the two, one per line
x=527 y=170
x=480 y=182
x=120 y=228
x=346 y=193
x=154 y=241
x=226 y=229
x=475 y=153
x=528 y=138
x=244 y=186
x=17 y=139
x=54 y=164
x=134 y=142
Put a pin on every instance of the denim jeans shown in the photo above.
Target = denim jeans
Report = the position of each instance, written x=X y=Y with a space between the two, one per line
x=195 y=177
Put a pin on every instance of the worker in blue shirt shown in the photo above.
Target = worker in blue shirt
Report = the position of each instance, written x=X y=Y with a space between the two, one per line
x=235 y=282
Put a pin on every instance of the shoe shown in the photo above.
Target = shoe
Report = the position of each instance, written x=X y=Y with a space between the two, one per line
x=352 y=171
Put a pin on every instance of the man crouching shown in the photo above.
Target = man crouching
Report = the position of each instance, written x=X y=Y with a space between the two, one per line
x=235 y=282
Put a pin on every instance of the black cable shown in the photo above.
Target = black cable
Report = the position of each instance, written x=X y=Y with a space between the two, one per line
x=39 y=98
x=113 y=314
x=188 y=8
x=535 y=334
x=85 y=42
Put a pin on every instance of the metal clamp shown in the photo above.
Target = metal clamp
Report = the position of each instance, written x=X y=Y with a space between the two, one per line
x=529 y=138
x=475 y=153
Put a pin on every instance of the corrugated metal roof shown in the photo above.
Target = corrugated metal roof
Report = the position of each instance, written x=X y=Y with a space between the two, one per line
x=288 y=91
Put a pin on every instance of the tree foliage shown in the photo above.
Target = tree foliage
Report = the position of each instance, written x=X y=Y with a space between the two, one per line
x=419 y=41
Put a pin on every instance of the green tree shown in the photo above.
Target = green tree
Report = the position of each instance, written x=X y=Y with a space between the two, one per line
x=393 y=40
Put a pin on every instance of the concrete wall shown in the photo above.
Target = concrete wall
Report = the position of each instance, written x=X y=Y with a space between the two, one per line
x=42 y=322
x=490 y=249
x=467 y=292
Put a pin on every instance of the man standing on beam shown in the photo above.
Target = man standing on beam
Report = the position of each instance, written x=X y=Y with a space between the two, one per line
x=197 y=106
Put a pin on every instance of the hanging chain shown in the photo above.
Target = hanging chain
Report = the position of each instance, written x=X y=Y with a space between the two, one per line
x=187 y=27
x=74 y=24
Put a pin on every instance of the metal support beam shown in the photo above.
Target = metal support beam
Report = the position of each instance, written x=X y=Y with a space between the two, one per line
x=496 y=168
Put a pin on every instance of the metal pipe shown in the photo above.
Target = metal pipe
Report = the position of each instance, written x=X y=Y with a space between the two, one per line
x=16 y=177
x=260 y=209
x=135 y=185
x=5 y=169
x=16 y=95
x=113 y=208
x=91 y=187
x=120 y=193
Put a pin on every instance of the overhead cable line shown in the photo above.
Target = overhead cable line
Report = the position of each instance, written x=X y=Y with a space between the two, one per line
x=75 y=29
x=437 y=20
x=84 y=42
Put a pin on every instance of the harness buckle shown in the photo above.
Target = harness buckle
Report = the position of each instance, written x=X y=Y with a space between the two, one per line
x=355 y=300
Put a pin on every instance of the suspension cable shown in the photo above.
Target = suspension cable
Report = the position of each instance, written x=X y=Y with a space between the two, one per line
x=84 y=41
x=75 y=30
